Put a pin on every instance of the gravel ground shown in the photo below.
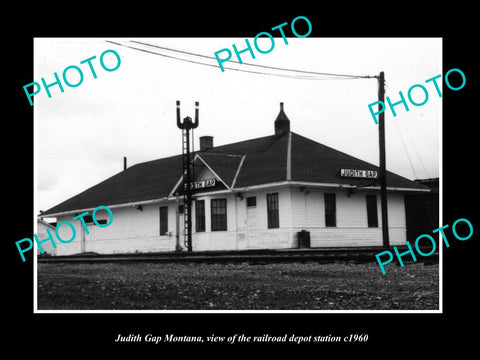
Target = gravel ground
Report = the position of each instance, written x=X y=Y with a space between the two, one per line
x=280 y=286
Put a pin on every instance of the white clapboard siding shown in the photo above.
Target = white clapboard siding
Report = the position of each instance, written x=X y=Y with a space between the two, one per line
x=308 y=213
x=131 y=231
x=134 y=231
x=48 y=246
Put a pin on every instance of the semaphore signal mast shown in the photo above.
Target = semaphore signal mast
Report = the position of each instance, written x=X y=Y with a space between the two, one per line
x=186 y=126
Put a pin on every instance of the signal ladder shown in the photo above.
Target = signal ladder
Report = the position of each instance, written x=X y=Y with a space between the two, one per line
x=186 y=126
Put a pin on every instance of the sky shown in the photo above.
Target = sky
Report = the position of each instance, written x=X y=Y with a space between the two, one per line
x=82 y=134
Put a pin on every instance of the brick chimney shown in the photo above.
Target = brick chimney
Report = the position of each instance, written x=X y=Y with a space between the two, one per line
x=282 y=123
x=206 y=142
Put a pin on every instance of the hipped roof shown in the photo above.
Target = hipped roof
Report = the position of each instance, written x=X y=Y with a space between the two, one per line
x=289 y=157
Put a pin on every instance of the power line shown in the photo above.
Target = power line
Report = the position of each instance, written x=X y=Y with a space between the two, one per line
x=155 y=53
x=301 y=77
x=257 y=65
x=413 y=143
x=416 y=150
x=406 y=150
x=403 y=143
x=198 y=62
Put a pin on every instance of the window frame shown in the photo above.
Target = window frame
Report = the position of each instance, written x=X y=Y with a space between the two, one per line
x=163 y=215
x=218 y=221
x=200 y=216
x=251 y=199
x=372 y=212
x=330 y=201
x=273 y=216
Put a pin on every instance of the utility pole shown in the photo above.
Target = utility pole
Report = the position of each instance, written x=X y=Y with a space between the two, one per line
x=383 y=169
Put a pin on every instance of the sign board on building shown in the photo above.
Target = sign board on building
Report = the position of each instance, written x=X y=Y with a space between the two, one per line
x=352 y=173
x=203 y=184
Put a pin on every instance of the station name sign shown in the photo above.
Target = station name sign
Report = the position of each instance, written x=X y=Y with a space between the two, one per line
x=364 y=174
x=209 y=183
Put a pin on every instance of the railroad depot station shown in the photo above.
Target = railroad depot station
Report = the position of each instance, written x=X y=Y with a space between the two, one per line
x=271 y=192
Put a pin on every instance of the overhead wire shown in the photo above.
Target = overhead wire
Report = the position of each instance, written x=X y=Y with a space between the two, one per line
x=406 y=150
x=197 y=62
x=284 y=72
x=258 y=65
x=415 y=148
x=403 y=142
x=404 y=123
x=309 y=75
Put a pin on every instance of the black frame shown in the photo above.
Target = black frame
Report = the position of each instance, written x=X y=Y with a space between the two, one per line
x=272 y=211
x=218 y=214
x=372 y=212
x=163 y=210
x=199 y=215
x=330 y=209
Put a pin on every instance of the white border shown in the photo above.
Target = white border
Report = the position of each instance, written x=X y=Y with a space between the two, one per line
x=35 y=273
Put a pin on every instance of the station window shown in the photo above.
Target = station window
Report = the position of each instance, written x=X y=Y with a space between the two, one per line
x=199 y=215
x=163 y=220
x=272 y=211
x=372 y=216
x=89 y=220
x=330 y=210
x=219 y=214
x=251 y=201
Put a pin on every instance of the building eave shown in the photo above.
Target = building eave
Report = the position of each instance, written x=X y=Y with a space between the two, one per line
x=116 y=206
x=240 y=189
x=326 y=185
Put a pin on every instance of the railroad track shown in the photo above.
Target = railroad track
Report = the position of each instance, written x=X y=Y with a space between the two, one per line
x=324 y=255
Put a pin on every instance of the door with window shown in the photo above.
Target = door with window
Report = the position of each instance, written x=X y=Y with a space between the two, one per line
x=84 y=247
x=252 y=231
x=82 y=239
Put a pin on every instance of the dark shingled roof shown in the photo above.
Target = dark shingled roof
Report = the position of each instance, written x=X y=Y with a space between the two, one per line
x=315 y=162
x=225 y=166
x=265 y=161
x=146 y=181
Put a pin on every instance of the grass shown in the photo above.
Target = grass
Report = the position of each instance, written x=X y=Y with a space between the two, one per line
x=280 y=286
